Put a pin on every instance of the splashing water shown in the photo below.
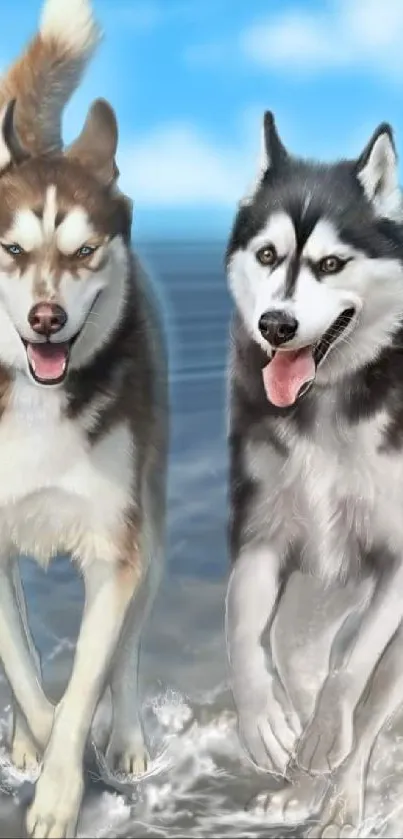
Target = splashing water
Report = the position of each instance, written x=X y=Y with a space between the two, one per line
x=200 y=781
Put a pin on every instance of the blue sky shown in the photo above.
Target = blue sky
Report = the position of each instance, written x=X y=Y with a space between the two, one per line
x=190 y=79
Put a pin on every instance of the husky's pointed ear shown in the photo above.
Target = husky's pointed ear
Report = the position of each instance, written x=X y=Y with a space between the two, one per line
x=273 y=152
x=11 y=150
x=95 y=148
x=272 y=155
x=376 y=170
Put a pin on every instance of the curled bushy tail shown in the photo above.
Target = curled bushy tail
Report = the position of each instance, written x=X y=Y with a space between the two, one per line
x=45 y=77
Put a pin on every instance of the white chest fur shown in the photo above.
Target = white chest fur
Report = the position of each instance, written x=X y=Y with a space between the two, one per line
x=349 y=491
x=56 y=491
x=335 y=493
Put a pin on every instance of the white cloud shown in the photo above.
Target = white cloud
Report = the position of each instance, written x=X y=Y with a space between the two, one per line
x=176 y=166
x=345 y=34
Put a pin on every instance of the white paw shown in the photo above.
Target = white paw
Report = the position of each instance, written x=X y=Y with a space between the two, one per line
x=55 y=808
x=127 y=756
x=24 y=753
x=293 y=805
x=268 y=728
x=335 y=822
x=329 y=738
x=342 y=811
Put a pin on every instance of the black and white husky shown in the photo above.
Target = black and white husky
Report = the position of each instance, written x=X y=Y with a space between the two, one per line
x=315 y=267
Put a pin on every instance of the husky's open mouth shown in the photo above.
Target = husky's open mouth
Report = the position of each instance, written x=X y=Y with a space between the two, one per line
x=48 y=362
x=290 y=373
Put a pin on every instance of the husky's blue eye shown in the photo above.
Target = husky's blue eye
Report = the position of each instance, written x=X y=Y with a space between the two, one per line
x=86 y=250
x=14 y=250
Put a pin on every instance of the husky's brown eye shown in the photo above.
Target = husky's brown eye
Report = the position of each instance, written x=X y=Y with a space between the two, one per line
x=85 y=251
x=13 y=250
x=331 y=265
x=267 y=255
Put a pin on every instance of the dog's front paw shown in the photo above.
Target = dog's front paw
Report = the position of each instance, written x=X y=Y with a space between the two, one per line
x=24 y=753
x=293 y=805
x=56 y=805
x=342 y=811
x=127 y=755
x=268 y=728
x=328 y=738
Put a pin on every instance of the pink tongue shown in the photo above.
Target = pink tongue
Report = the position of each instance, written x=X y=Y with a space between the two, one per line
x=48 y=361
x=285 y=375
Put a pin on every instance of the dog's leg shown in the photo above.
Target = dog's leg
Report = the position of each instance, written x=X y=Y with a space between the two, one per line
x=344 y=806
x=340 y=798
x=18 y=663
x=126 y=751
x=267 y=727
x=24 y=751
x=302 y=656
x=124 y=745
x=110 y=588
x=329 y=736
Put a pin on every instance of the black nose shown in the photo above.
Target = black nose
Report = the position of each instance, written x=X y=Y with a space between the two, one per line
x=277 y=327
x=47 y=318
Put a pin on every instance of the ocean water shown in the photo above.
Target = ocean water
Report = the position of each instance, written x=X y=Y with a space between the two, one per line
x=199 y=781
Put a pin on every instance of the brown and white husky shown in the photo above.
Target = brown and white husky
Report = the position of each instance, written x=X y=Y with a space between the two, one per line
x=83 y=413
